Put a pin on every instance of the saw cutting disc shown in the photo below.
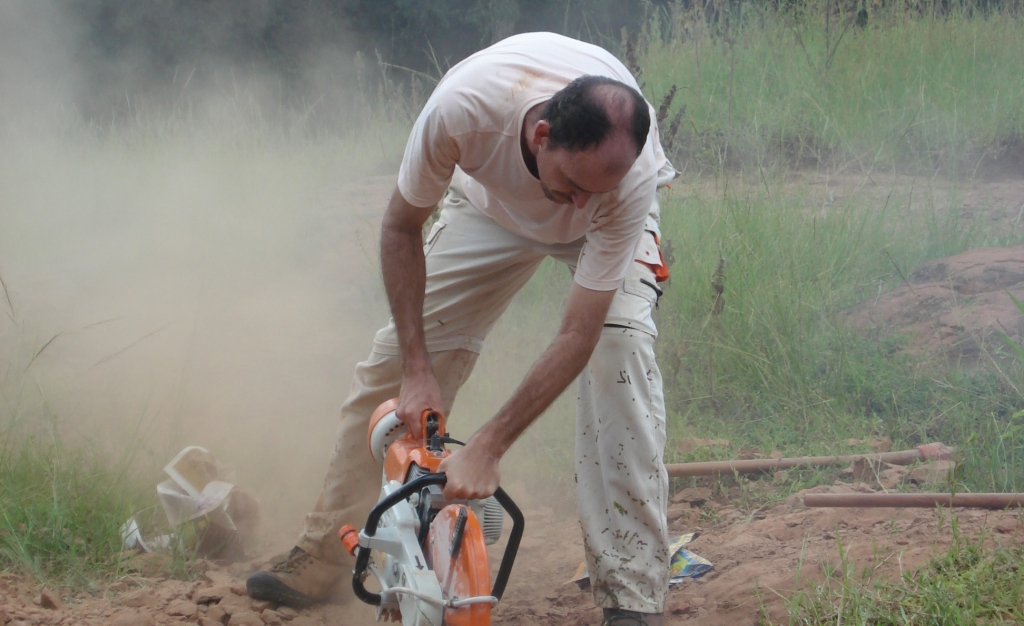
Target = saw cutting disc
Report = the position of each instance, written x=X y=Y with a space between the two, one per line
x=468 y=574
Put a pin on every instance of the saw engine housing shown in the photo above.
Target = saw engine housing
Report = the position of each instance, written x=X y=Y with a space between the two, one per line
x=428 y=554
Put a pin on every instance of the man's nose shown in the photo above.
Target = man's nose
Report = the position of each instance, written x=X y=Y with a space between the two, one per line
x=580 y=198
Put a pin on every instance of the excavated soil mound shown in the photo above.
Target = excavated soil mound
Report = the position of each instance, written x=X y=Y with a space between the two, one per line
x=953 y=306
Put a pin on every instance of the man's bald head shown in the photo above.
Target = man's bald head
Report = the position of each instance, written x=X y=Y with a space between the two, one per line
x=591 y=109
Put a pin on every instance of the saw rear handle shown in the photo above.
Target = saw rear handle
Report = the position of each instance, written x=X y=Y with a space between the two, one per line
x=351 y=540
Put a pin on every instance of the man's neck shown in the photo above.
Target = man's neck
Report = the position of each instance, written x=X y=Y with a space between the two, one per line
x=528 y=149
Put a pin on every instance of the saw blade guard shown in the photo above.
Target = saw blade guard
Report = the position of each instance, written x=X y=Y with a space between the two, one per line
x=457 y=553
x=401 y=495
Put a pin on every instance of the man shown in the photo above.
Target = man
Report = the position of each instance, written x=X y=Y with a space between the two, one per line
x=546 y=148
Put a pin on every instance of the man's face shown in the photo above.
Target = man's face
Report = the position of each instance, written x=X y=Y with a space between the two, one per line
x=573 y=177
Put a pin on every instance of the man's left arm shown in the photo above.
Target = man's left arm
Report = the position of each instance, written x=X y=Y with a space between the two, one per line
x=473 y=470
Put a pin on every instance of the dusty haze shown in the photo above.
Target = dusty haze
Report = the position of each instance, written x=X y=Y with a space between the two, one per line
x=200 y=268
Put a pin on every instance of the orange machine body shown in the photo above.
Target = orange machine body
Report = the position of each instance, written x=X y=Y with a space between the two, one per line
x=409 y=449
x=469 y=576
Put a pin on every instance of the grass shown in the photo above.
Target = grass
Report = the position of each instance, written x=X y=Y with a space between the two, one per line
x=780 y=367
x=61 y=507
x=762 y=86
x=974 y=582
x=62 y=513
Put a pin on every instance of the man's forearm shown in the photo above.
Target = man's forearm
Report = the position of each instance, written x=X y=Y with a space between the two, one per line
x=404 y=270
x=560 y=364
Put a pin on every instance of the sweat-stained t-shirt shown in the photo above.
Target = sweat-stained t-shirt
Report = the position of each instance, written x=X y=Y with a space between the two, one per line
x=474 y=119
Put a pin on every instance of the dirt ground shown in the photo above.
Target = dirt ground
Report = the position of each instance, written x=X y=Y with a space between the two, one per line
x=758 y=559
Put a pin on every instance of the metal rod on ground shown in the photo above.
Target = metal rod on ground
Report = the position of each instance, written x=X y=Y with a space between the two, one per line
x=927 y=452
x=916 y=500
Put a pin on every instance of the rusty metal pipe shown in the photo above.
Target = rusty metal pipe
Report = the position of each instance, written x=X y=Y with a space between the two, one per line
x=916 y=500
x=927 y=452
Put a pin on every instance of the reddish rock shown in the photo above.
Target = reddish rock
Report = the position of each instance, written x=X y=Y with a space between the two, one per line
x=262 y=605
x=182 y=608
x=880 y=444
x=131 y=618
x=234 y=604
x=1006 y=526
x=216 y=593
x=141 y=598
x=50 y=600
x=287 y=612
x=271 y=617
x=217 y=613
x=245 y=618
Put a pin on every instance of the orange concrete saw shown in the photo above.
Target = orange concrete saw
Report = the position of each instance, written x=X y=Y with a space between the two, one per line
x=428 y=554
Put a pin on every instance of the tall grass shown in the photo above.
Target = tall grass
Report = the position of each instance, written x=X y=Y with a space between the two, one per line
x=805 y=84
x=781 y=366
x=748 y=92
x=61 y=507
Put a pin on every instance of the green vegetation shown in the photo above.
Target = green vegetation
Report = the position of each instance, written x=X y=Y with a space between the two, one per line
x=61 y=513
x=763 y=89
x=780 y=368
x=61 y=508
x=805 y=84
x=971 y=584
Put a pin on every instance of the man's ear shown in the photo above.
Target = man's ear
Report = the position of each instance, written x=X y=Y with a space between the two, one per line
x=541 y=132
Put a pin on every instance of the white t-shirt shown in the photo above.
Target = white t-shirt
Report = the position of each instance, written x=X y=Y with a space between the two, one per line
x=474 y=119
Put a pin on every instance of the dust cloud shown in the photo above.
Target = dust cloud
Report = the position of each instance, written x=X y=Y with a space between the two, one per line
x=195 y=263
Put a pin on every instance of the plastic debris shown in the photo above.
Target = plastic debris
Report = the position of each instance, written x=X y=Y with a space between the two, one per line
x=684 y=564
x=131 y=538
x=213 y=516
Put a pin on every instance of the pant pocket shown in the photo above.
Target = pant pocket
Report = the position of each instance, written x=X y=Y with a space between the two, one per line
x=435 y=233
x=640 y=281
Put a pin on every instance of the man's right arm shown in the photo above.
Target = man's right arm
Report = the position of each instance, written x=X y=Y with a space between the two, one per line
x=404 y=268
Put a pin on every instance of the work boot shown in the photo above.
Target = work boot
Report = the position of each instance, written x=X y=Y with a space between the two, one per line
x=622 y=617
x=299 y=580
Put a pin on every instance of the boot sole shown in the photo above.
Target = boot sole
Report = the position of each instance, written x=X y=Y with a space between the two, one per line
x=265 y=586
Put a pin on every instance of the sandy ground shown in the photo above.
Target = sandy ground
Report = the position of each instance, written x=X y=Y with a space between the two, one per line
x=759 y=558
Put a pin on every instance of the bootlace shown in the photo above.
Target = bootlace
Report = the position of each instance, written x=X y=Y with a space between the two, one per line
x=295 y=560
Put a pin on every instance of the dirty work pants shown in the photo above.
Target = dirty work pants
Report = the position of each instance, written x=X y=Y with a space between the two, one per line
x=474 y=268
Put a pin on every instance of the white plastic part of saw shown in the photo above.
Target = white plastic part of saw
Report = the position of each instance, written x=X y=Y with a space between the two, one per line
x=436 y=575
x=404 y=566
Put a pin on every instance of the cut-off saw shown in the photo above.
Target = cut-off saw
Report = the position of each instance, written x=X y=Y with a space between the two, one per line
x=427 y=554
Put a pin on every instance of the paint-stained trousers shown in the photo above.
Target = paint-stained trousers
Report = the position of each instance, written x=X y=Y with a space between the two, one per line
x=474 y=268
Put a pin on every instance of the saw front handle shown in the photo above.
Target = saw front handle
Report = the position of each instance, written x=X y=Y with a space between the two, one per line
x=351 y=540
